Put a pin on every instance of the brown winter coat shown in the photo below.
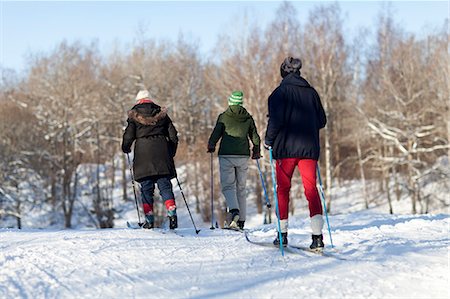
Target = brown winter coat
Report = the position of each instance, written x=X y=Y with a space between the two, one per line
x=156 y=141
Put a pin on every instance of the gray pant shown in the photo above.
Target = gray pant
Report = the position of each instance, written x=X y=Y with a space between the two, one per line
x=233 y=178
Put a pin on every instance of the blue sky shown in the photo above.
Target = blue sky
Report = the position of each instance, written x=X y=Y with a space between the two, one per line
x=37 y=26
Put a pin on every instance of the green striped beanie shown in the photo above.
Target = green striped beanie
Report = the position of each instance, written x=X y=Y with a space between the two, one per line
x=236 y=98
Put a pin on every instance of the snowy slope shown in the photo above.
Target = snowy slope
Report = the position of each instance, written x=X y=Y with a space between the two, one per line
x=388 y=257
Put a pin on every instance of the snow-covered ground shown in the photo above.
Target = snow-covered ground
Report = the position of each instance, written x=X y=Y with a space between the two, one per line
x=387 y=256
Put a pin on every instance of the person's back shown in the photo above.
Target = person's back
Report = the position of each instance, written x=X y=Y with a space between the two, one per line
x=234 y=128
x=156 y=142
x=150 y=119
x=295 y=117
x=150 y=126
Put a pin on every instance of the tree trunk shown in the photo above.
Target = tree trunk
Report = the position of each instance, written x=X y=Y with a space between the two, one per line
x=66 y=185
x=412 y=190
x=328 y=168
x=124 y=178
x=72 y=194
x=53 y=196
x=419 y=198
x=113 y=174
x=19 y=217
x=259 y=198
x=448 y=124
x=388 y=189
x=361 y=170
x=397 y=189
x=67 y=220
x=337 y=170
x=427 y=202
x=196 y=188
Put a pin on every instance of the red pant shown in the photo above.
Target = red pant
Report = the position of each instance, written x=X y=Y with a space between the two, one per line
x=285 y=170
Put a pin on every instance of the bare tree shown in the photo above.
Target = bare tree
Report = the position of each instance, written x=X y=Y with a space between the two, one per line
x=399 y=109
x=17 y=132
x=326 y=67
x=60 y=90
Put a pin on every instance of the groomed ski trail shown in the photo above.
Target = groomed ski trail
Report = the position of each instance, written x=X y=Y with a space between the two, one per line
x=405 y=256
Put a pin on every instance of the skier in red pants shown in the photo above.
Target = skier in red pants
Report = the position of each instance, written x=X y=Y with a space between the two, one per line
x=295 y=117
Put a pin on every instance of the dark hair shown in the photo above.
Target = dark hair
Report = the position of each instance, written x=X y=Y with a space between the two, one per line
x=290 y=65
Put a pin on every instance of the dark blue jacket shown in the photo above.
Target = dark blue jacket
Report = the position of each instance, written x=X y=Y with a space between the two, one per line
x=295 y=117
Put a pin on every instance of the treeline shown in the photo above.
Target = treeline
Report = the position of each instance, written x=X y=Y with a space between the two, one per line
x=386 y=95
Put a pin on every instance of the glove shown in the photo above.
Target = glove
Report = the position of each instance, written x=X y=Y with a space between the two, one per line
x=267 y=147
x=126 y=150
x=211 y=148
x=256 y=155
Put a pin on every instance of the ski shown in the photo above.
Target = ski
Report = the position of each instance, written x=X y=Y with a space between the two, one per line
x=317 y=252
x=134 y=225
x=234 y=229
x=260 y=243
x=165 y=231
x=156 y=229
x=296 y=249
x=270 y=245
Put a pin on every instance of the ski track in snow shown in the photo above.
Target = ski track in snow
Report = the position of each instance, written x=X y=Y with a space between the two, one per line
x=389 y=257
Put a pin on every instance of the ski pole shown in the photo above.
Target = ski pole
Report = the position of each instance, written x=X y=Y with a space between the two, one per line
x=212 y=191
x=324 y=203
x=263 y=185
x=277 y=211
x=187 y=206
x=134 y=191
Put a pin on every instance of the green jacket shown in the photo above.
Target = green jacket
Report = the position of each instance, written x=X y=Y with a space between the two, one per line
x=235 y=126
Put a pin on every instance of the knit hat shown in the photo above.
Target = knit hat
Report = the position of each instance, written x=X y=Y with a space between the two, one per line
x=290 y=65
x=142 y=94
x=236 y=98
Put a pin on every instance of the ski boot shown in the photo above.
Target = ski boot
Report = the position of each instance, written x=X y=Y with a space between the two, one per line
x=240 y=224
x=149 y=223
x=172 y=213
x=173 y=222
x=276 y=242
x=234 y=219
x=317 y=243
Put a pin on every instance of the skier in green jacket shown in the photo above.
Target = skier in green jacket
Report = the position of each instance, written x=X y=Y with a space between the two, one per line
x=235 y=127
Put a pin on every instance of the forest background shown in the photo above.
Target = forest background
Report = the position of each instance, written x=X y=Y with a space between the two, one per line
x=385 y=91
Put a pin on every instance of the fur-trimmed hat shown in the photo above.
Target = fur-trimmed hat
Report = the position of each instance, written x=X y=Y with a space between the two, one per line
x=290 y=65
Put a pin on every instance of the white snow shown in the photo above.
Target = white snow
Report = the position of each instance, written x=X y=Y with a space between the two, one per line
x=388 y=256
x=401 y=256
